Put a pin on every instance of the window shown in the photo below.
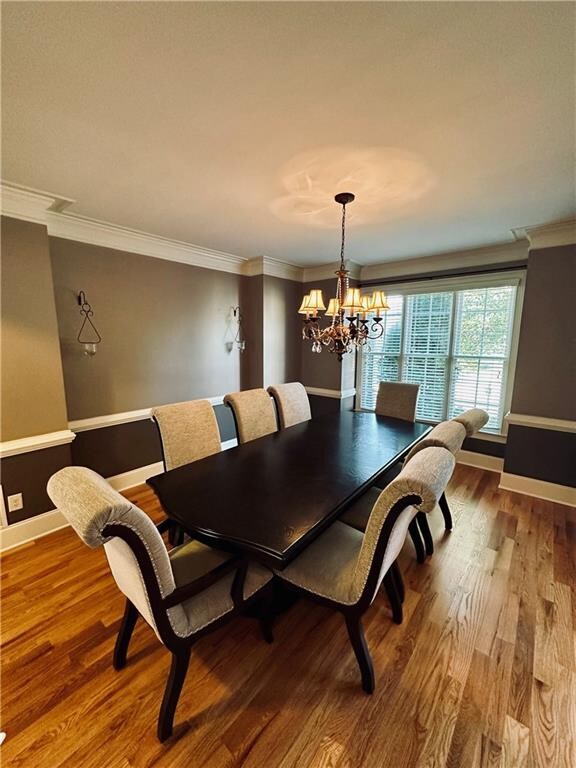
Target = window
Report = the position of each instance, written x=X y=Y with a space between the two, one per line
x=456 y=343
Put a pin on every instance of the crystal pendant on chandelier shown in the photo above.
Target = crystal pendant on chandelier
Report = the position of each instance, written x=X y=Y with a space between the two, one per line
x=356 y=319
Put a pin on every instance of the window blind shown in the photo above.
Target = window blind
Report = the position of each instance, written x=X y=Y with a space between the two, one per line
x=454 y=343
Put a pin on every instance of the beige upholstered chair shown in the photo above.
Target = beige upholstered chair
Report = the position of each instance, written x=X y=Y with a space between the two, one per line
x=397 y=399
x=254 y=414
x=188 y=432
x=449 y=435
x=292 y=403
x=181 y=594
x=473 y=420
x=344 y=568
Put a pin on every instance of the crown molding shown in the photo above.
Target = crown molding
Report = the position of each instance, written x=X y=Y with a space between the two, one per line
x=549 y=235
x=30 y=204
x=475 y=257
x=328 y=271
x=85 y=230
x=263 y=265
x=47 y=208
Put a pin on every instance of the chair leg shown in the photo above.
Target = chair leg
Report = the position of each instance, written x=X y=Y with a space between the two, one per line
x=356 y=635
x=124 y=634
x=443 y=502
x=422 y=521
x=397 y=579
x=178 y=670
x=176 y=535
x=394 y=598
x=417 y=541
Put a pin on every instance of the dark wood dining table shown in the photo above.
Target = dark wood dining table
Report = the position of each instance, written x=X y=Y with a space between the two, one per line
x=269 y=498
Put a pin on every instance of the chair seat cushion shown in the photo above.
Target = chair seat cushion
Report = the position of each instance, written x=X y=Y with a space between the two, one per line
x=191 y=560
x=216 y=601
x=326 y=567
x=357 y=515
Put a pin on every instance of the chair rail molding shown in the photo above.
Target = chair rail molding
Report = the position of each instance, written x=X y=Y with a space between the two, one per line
x=540 y=422
x=336 y=394
x=112 y=419
x=35 y=443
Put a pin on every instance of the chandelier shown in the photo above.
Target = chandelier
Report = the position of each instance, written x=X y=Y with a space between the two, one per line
x=356 y=318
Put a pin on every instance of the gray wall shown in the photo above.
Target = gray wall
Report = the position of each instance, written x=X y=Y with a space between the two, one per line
x=545 y=381
x=282 y=331
x=165 y=329
x=32 y=391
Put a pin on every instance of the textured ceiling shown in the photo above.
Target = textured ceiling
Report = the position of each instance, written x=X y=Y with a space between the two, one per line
x=231 y=125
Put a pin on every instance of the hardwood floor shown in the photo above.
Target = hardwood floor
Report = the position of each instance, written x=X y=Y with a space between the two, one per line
x=481 y=673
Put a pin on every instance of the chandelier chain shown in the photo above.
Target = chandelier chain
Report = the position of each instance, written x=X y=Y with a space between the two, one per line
x=343 y=236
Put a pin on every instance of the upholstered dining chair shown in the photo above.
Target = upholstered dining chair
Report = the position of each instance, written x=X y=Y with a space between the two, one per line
x=397 y=400
x=449 y=435
x=188 y=432
x=473 y=420
x=292 y=403
x=343 y=568
x=254 y=414
x=181 y=594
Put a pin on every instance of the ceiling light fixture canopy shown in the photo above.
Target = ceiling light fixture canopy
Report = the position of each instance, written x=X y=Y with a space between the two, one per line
x=356 y=318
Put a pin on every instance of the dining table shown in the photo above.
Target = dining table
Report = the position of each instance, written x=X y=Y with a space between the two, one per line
x=268 y=499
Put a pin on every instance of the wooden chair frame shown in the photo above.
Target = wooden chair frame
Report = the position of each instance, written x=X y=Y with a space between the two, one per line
x=180 y=647
x=393 y=585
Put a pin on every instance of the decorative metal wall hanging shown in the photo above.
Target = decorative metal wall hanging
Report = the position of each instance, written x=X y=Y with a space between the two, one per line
x=239 y=339
x=88 y=335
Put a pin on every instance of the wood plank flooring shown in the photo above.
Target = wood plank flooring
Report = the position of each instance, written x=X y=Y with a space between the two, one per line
x=481 y=673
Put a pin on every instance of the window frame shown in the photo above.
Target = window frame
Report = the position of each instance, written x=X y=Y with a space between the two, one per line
x=515 y=277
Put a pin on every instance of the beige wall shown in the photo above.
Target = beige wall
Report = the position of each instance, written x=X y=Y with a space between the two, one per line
x=32 y=388
x=545 y=379
x=166 y=329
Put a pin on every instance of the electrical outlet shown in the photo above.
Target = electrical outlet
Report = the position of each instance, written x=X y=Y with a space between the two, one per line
x=15 y=502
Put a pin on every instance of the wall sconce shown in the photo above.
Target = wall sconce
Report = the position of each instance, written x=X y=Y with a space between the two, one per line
x=239 y=339
x=88 y=335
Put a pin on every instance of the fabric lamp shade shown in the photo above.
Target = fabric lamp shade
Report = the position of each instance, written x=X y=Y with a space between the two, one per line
x=379 y=303
x=304 y=306
x=316 y=302
x=353 y=302
x=333 y=308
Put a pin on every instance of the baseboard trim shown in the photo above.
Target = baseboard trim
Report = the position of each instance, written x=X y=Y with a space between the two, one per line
x=28 y=530
x=480 y=461
x=540 y=489
x=41 y=525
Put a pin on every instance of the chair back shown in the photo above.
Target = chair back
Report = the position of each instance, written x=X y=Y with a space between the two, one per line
x=90 y=505
x=188 y=432
x=473 y=420
x=417 y=488
x=397 y=400
x=254 y=414
x=447 y=434
x=292 y=403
